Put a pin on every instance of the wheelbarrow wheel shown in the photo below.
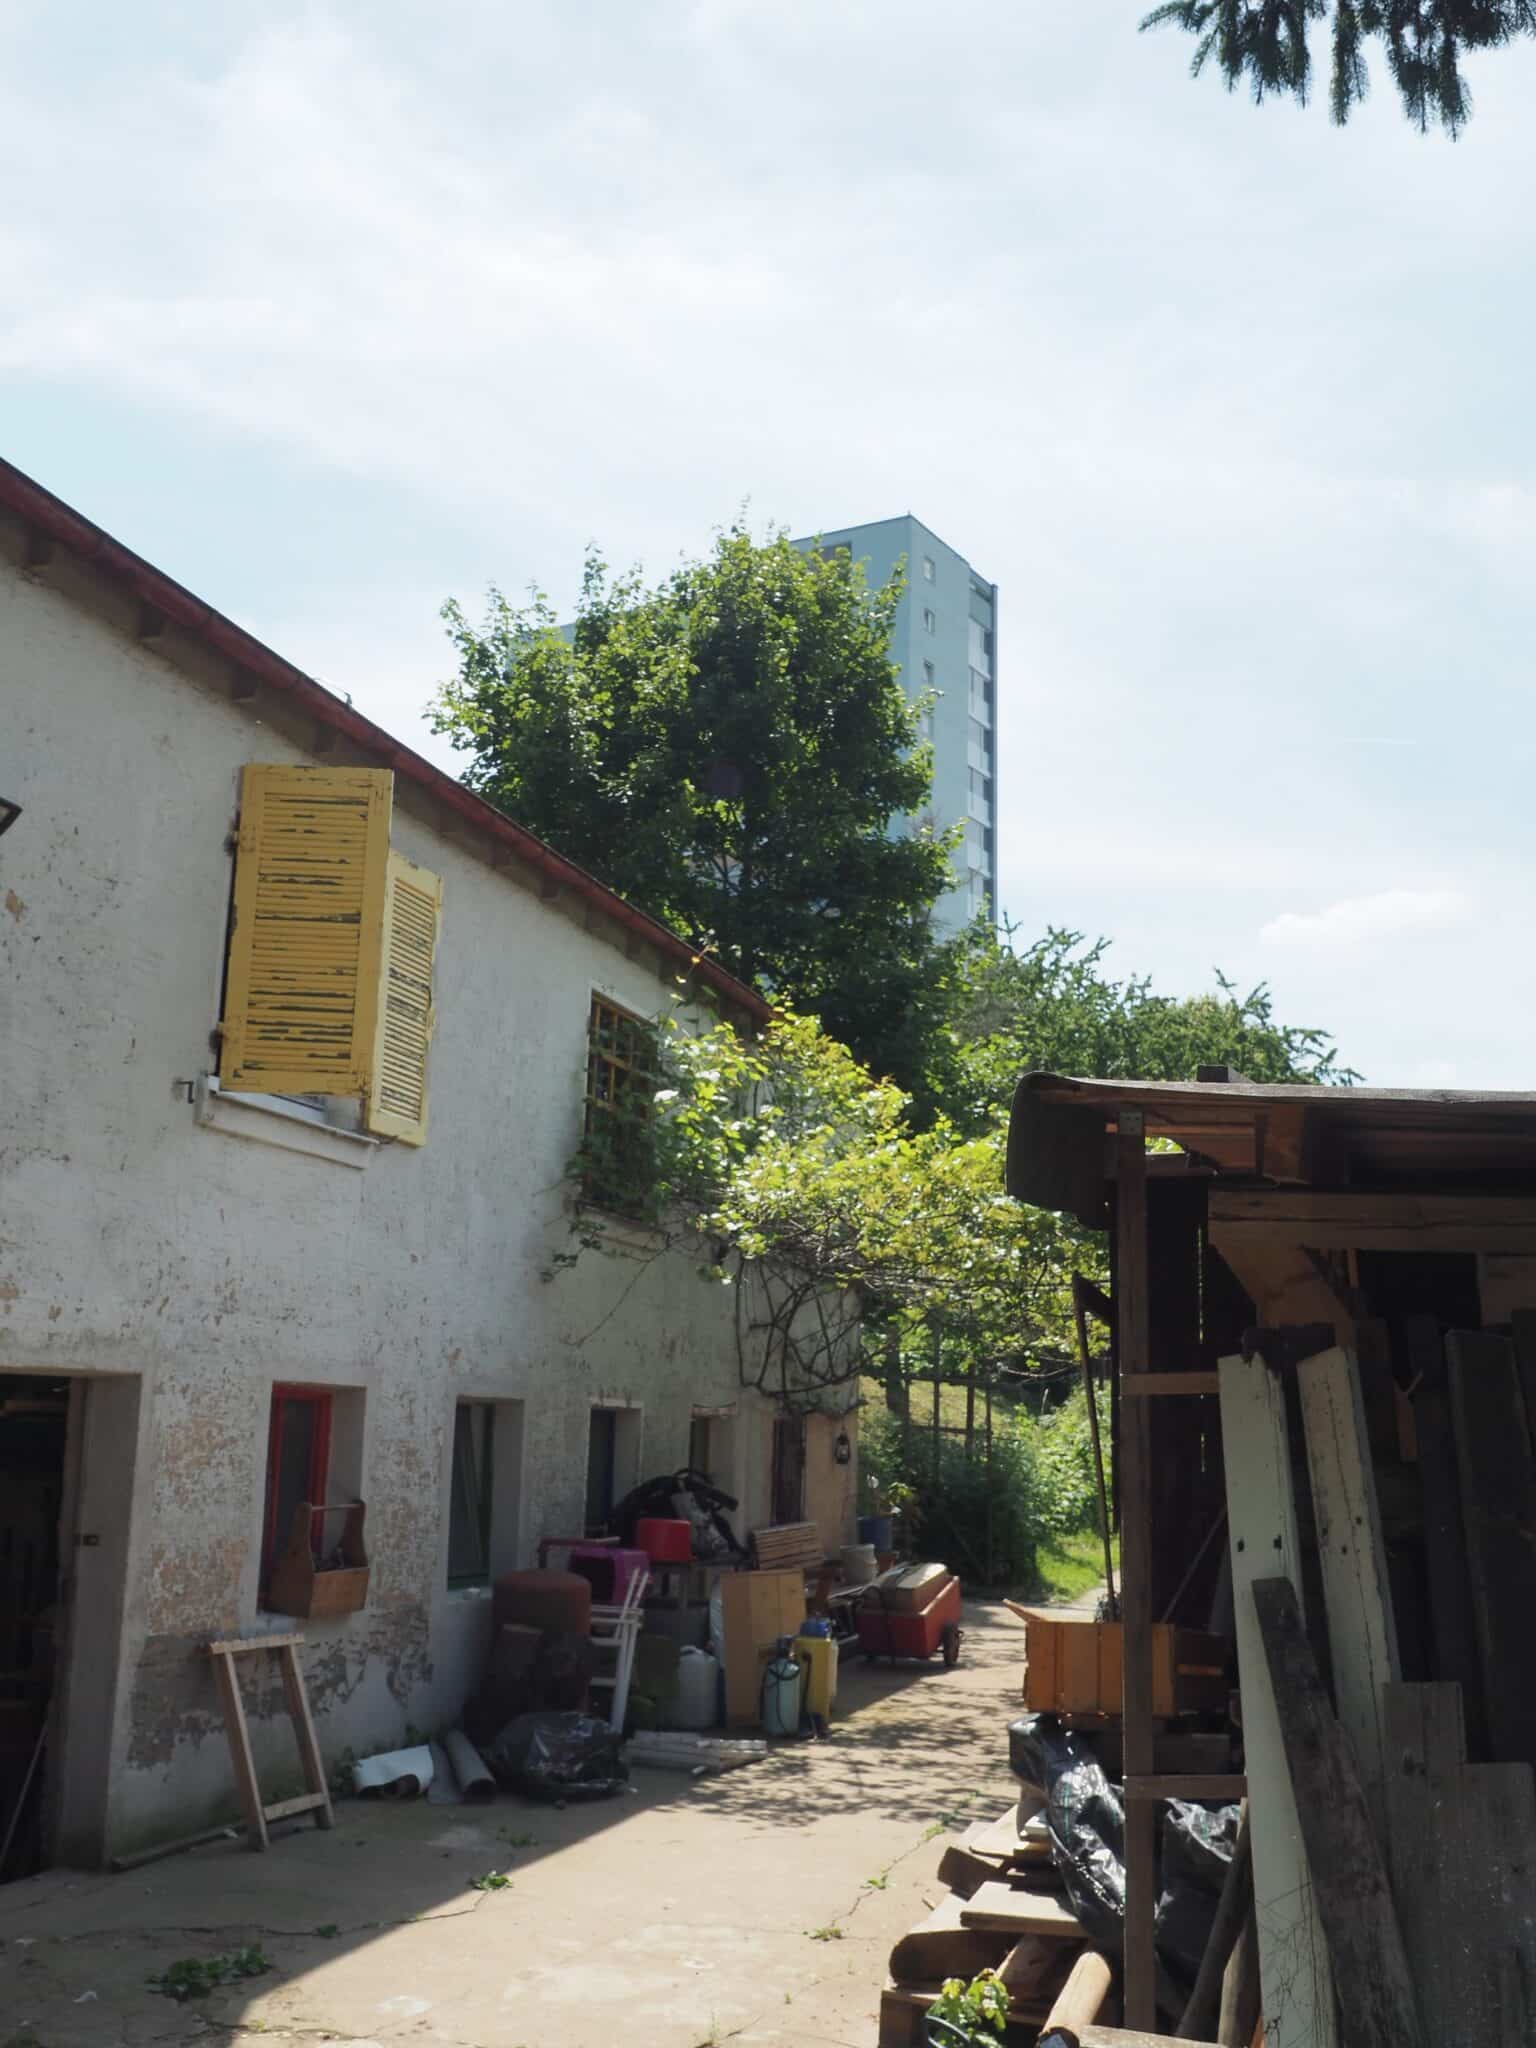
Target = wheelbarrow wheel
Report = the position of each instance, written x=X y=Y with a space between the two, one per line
x=949 y=1646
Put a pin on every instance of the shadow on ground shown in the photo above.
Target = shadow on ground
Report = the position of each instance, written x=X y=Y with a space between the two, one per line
x=749 y=1907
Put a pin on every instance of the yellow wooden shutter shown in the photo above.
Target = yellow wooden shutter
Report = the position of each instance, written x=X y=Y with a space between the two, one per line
x=397 y=1096
x=306 y=942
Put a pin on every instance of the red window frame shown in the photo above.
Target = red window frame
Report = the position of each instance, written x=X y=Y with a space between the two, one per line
x=284 y=1395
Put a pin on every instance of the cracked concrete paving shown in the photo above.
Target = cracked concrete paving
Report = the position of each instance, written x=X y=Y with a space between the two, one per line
x=684 y=1914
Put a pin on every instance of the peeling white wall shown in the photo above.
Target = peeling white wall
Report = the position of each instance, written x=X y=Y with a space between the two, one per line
x=136 y=1241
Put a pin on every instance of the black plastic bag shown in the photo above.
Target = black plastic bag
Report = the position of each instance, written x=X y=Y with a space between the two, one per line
x=556 y=1757
x=1086 y=1818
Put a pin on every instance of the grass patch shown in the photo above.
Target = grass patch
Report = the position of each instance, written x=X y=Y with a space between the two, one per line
x=1070 y=1566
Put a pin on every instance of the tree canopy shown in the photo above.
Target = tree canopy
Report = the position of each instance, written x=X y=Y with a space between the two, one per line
x=853 y=1234
x=728 y=749
x=1266 y=44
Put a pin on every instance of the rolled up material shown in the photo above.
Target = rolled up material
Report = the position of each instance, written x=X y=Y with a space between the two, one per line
x=399 y=1773
x=475 y=1781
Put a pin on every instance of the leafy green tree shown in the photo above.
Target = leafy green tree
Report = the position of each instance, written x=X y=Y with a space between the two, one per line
x=1267 y=45
x=728 y=750
x=837 y=1225
x=1052 y=1006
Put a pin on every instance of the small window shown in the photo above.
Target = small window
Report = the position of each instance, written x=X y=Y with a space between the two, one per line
x=930 y=622
x=928 y=569
x=298 y=1467
x=621 y=1080
x=930 y=676
x=469 y=1505
x=787 y=1483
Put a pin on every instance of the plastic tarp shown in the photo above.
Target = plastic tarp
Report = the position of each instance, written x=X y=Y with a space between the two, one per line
x=1085 y=1816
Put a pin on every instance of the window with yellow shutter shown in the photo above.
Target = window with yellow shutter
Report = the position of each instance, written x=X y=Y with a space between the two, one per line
x=328 y=979
x=397 y=1092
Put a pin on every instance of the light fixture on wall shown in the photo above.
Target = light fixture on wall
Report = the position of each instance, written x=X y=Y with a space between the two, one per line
x=9 y=813
x=842 y=1448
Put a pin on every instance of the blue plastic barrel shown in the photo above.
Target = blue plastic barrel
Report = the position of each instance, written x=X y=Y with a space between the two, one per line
x=877 y=1529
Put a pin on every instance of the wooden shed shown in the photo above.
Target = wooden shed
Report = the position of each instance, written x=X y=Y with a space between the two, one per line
x=1324 y=1321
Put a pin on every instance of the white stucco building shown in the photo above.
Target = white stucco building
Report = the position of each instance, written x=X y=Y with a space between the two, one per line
x=218 y=1300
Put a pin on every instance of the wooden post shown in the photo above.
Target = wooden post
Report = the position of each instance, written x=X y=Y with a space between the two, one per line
x=1377 y=2005
x=1357 y=1602
x=1133 y=1330
x=1261 y=1524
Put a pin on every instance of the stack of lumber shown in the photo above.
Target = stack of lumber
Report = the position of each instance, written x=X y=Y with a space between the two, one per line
x=1004 y=1911
x=788 y=1546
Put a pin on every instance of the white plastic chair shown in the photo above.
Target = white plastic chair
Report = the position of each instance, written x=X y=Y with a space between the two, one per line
x=617 y=1628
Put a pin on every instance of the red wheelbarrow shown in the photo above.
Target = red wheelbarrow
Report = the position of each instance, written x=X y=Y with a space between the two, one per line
x=890 y=1623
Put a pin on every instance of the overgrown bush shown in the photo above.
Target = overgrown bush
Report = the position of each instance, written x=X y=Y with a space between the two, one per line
x=1041 y=1486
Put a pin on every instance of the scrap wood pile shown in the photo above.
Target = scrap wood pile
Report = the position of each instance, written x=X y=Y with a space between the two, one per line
x=1004 y=1910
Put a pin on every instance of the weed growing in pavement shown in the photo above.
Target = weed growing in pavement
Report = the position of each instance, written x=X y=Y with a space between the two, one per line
x=492 y=1881
x=328 y=1928
x=196 y=1976
x=831 y=1932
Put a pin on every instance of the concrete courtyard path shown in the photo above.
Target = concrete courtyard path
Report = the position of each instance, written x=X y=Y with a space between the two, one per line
x=757 y=1908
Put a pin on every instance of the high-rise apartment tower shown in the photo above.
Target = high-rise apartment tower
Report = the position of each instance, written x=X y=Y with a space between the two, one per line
x=946 y=643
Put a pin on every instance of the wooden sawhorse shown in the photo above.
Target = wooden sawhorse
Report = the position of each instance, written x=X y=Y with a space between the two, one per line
x=317 y=1800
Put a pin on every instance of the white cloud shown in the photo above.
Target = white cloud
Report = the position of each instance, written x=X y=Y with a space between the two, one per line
x=1355 y=920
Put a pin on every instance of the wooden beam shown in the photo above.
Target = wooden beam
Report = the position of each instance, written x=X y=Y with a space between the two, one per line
x=1498 y=1504
x=1146 y=1385
x=1452 y=1628
x=1133 y=1332
x=1187 y=1785
x=1357 y=1600
x=1261 y=1515
x=1285 y=1144
x=1377 y=2004
x=1375 y=1222
x=1282 y=1282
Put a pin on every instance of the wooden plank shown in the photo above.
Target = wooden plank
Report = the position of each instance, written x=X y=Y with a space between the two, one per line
x=965 y=1872
x=1296 y=1975
x=1146 y=1385
x=1233 y=1910
x=1377 y=2004
x=1187 y=1785
x=1461 y=1837
x=239 y=1735
x=944 y=1946
x=1498 y=1505
x=1357 y=1601
x=1375 y=1222
x=1452 y=1626
x=1283 y=1283
x=305 y=1736
x=998 y=1909
x=238 y=1645
x=285 y=1809
x=1124 y=2037
x=1133 y=1349
x=1523 y=1324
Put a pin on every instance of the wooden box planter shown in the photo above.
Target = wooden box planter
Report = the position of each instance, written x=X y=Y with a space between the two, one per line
x=315 y=1592
x=1074 y=1666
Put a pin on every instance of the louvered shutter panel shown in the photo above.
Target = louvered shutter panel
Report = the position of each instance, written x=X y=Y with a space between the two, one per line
x=397 y=1095
x=306 y=941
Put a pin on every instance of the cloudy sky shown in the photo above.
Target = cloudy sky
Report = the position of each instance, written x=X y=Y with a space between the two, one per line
x=335 y=312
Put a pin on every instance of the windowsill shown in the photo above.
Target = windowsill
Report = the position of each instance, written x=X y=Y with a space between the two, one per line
x=272 y=1120
x=464 y=1596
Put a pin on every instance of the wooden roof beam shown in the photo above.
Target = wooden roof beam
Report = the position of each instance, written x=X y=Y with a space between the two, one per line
x=1272 y=1219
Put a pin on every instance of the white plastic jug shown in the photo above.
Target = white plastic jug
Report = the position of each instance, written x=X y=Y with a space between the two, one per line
x=782 y=1683
x=695 y=1703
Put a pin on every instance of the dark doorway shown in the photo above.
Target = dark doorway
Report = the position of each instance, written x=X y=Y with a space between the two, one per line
x=34 y=1428
x=789 y=1468
x=602 y=1463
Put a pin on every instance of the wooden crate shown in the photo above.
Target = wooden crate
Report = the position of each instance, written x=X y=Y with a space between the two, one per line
x=1075 y=1666
x=758 y=1608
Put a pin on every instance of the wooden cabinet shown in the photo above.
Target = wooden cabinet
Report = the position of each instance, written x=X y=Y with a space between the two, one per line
x=759 y=1608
